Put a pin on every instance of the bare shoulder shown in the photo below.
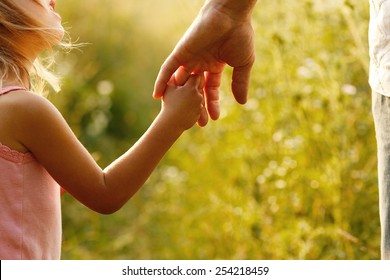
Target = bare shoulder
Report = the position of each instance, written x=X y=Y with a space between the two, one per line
x=22 y=102
x=29 y=109
x=22 y=114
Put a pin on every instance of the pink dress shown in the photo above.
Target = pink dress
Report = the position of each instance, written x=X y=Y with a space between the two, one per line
x=30 y=208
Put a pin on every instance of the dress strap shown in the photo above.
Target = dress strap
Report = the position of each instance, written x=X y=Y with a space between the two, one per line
x=9 y=89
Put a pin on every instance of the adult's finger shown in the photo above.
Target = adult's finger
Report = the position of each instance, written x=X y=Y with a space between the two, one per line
x=168 y=68
x=203 y=117
x=240 y=83
x=212 y=84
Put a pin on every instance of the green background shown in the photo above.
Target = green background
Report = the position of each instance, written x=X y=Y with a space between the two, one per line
x=290 y=175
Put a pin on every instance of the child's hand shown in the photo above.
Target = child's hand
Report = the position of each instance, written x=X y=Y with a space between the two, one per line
x=183 y=105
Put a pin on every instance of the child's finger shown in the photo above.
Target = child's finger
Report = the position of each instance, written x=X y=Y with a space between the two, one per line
x=181 y=76
x=193 y=80
x=172 y=81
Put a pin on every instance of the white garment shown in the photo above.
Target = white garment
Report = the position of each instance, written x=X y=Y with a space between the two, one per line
x=379 y=41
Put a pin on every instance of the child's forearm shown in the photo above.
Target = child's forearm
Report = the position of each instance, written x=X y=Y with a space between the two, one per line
x=125 y=176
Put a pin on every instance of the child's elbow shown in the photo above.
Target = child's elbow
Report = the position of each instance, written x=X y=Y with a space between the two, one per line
x=108 y=208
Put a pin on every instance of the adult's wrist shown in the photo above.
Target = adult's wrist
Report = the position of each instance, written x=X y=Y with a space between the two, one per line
x=235 y=9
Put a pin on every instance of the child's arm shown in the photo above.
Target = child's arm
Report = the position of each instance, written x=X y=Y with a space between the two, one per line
x=45 y=133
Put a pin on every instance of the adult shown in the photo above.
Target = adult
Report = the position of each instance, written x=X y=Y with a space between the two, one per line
x=379 y=40
x=221 y=34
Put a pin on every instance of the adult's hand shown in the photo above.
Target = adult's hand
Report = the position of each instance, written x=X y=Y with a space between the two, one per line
x=221 y=34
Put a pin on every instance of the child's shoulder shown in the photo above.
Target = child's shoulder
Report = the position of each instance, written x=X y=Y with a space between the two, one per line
x=19 y=98
x=25 y=107
x=22 y=112
x=23 y=102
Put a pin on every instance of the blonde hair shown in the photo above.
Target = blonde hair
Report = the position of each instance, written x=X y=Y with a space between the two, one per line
x=15 y=28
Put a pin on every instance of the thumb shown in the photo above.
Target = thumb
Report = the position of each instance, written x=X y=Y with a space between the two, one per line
x=240 y=83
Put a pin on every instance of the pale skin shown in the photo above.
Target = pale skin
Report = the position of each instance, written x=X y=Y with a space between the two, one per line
x=221 y=35
x=30 y=123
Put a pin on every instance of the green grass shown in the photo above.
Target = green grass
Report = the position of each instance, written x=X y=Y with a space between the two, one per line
x=290 y=175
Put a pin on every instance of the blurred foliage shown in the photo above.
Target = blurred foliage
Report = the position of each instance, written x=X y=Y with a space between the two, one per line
x=290 y=175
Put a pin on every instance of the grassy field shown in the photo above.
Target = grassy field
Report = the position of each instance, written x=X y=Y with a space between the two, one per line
x=290 y=175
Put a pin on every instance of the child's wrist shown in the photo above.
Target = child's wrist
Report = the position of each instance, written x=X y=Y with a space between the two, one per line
x=169 y=125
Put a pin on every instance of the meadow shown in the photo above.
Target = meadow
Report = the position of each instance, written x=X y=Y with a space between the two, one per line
x=289 y=175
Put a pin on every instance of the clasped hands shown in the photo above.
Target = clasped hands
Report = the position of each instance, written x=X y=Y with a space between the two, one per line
x=213 y=41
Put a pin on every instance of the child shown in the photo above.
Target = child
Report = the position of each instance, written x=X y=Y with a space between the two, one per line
x=39 y=152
